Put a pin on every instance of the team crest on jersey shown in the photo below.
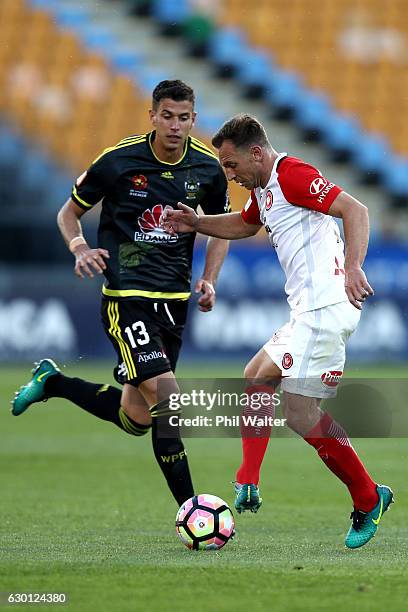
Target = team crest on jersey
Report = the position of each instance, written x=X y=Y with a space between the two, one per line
x=287 y=361
x=192 y=188
x=140 y=183
x=269 y=200
x=331 y=378
x=150 y=224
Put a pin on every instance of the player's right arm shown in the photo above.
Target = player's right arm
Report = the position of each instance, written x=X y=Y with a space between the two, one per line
x=87 y=259
x=91 y=187
x=303 y=185
x=230 y=226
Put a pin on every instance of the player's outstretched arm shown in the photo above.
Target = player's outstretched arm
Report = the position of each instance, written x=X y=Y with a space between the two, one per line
x=356 y=233
x=230 y=226
x=87 y=260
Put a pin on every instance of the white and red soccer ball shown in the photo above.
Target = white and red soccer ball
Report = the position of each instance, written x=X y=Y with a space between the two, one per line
x=205 y=522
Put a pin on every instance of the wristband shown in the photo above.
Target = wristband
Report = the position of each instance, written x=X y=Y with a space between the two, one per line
x=75 y=242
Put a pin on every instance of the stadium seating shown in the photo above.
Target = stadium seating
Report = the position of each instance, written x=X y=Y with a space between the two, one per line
x=66 y=97
x=356 y=52
x=296 y=59
x=227 y=49
x=90 y=92
x=337 y=69
x=171 y=14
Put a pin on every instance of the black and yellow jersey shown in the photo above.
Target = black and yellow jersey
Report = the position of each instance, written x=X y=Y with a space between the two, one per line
x=135 y=188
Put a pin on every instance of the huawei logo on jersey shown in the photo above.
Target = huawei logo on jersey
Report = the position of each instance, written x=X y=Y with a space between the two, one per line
x=317 y=185
x=150 y=225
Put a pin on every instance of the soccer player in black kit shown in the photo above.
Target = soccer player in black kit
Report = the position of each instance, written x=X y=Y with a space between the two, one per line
x=147 y=273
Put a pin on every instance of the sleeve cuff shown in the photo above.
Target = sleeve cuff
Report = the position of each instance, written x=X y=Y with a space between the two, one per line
x=329 y=199
x=79 y=201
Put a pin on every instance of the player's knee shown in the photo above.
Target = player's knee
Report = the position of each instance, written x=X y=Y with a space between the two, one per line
x=291 y=416
x=262 y=375
x=159 y=388
x=291 y=407
x=251 y=371
x=261 y=369
x=301 y=412
x=139 y=414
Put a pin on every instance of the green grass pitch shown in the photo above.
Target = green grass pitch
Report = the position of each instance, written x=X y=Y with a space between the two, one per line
x=84 y=511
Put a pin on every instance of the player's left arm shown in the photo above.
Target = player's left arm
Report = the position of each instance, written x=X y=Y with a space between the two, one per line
x=217 y=248
x=356 y=233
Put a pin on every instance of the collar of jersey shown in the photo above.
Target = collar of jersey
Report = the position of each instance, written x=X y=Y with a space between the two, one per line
x=151 y=138
x=274 y=169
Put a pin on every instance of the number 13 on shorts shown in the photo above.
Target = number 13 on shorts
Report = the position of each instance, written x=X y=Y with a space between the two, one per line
x=137 y=334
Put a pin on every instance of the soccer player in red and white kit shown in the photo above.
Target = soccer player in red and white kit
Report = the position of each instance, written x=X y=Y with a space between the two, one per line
x=325 y=289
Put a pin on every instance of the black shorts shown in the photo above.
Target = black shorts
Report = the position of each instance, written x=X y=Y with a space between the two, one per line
x=146 y=336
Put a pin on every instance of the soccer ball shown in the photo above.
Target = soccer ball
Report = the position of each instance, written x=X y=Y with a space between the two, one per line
x=205 y=522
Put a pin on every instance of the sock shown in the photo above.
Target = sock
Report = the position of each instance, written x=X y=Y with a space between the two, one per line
x=254 y=439
x=170 y=453
x=334 y=448
x=103 y=401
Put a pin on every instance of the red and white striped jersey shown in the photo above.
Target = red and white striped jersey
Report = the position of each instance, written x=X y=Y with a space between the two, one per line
x=293 y=208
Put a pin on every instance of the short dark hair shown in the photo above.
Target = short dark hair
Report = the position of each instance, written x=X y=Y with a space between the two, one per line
x=243 y=131
x=175 y=90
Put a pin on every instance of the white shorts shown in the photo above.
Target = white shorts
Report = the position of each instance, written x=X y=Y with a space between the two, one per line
x=311 y=349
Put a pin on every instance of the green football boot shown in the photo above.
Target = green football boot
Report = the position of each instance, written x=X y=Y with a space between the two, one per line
x=247 y=497
x=365 y=524
x=33 y=391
